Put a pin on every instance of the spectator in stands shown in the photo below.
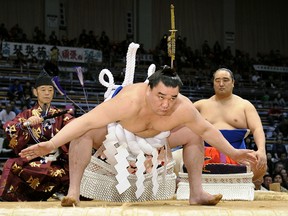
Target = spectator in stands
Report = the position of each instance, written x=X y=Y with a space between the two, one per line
x=279 y=100
x=65 y=41
x=274 y=115
x=14 y=33
x=270 y=162
x=53 y=40
x=104 y=43
x=27 y=94
x=3 y=32
x=14 y=107
x=285 y=177
x=54 y=55
x=278 y=147
x=21 y=59
x=267 y=180
x=38 y=36
x=282 y=127
x=255 y=78
x=15 y=91
x=7 y=114
x=266 y=99
x=205 y=48
x=36 y=180
x=271 y=82
x=92 y=40
x=278 y=167
x=283 y=158
x=227 y=111
x=83 y=38
x=278 y=178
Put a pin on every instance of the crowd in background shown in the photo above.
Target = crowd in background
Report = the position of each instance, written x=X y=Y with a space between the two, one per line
x=207 y=58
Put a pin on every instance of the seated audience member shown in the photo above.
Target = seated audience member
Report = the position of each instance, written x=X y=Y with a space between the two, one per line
x=39 y=179
x=275 y=114
x=285 y=177
x=267 y=180
x=15 y=107
x=266 y=99
x=234 y=117
x=15 y=91
x=278 y=148
x=278 y=167
x=282 y=127
x=283 y=158
x=278 y=178
x=6 y=114
x=279 y=100
x=270 y=162
x=27 y=94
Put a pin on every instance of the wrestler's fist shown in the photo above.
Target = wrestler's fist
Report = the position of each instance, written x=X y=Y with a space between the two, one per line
x=36 y=150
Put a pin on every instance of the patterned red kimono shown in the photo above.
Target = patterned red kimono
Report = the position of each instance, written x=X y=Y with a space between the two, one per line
x=40 y=178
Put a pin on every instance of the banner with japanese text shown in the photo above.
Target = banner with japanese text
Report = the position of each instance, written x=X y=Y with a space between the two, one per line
x=46 y=52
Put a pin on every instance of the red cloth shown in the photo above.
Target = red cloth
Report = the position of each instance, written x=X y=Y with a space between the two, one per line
x=212 y=155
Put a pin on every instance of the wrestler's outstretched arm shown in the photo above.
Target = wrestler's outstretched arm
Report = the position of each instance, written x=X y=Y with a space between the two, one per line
x=37 y=150
x=213 y=136
x=112 y=110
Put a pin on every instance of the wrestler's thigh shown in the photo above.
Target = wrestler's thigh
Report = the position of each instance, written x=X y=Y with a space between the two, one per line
x=183 y=135
x=97 y=136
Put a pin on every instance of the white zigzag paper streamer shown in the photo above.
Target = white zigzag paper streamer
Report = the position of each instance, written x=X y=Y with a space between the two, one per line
x=154 y=172
x=140 y=174
x=122 y=173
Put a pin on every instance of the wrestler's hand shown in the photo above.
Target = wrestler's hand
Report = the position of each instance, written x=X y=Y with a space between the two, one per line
x=245 y=156
x=36 y=150
x=261 y=160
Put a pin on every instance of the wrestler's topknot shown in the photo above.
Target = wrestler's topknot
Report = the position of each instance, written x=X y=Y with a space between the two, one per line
x=167 y=76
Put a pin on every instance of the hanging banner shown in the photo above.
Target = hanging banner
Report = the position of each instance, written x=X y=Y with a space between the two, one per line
x=45 y=52
x=270 y=68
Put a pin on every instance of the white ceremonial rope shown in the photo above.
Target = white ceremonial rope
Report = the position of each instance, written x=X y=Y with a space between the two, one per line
x=130 y=64
x=151 y=70
x=110 y=84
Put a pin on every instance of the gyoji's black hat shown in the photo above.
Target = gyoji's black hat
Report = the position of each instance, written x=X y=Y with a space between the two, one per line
x=43 y=79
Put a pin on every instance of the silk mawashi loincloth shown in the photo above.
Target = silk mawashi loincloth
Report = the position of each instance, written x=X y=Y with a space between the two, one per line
x=235 y=138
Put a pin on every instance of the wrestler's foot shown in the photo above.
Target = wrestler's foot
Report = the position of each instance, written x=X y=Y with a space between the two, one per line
x=211 y=201
x=69 y=202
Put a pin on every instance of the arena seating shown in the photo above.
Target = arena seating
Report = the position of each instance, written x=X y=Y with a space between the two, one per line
x=95 y=91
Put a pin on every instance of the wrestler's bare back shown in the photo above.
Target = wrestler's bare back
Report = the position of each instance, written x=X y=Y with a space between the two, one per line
x=229 y=113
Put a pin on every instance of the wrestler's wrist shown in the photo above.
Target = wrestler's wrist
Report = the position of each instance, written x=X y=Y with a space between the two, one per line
x=52 y=144
x=263 y=150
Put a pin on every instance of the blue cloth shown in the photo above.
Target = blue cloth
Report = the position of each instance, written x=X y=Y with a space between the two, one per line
x=235 y=137
x=117 y=91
